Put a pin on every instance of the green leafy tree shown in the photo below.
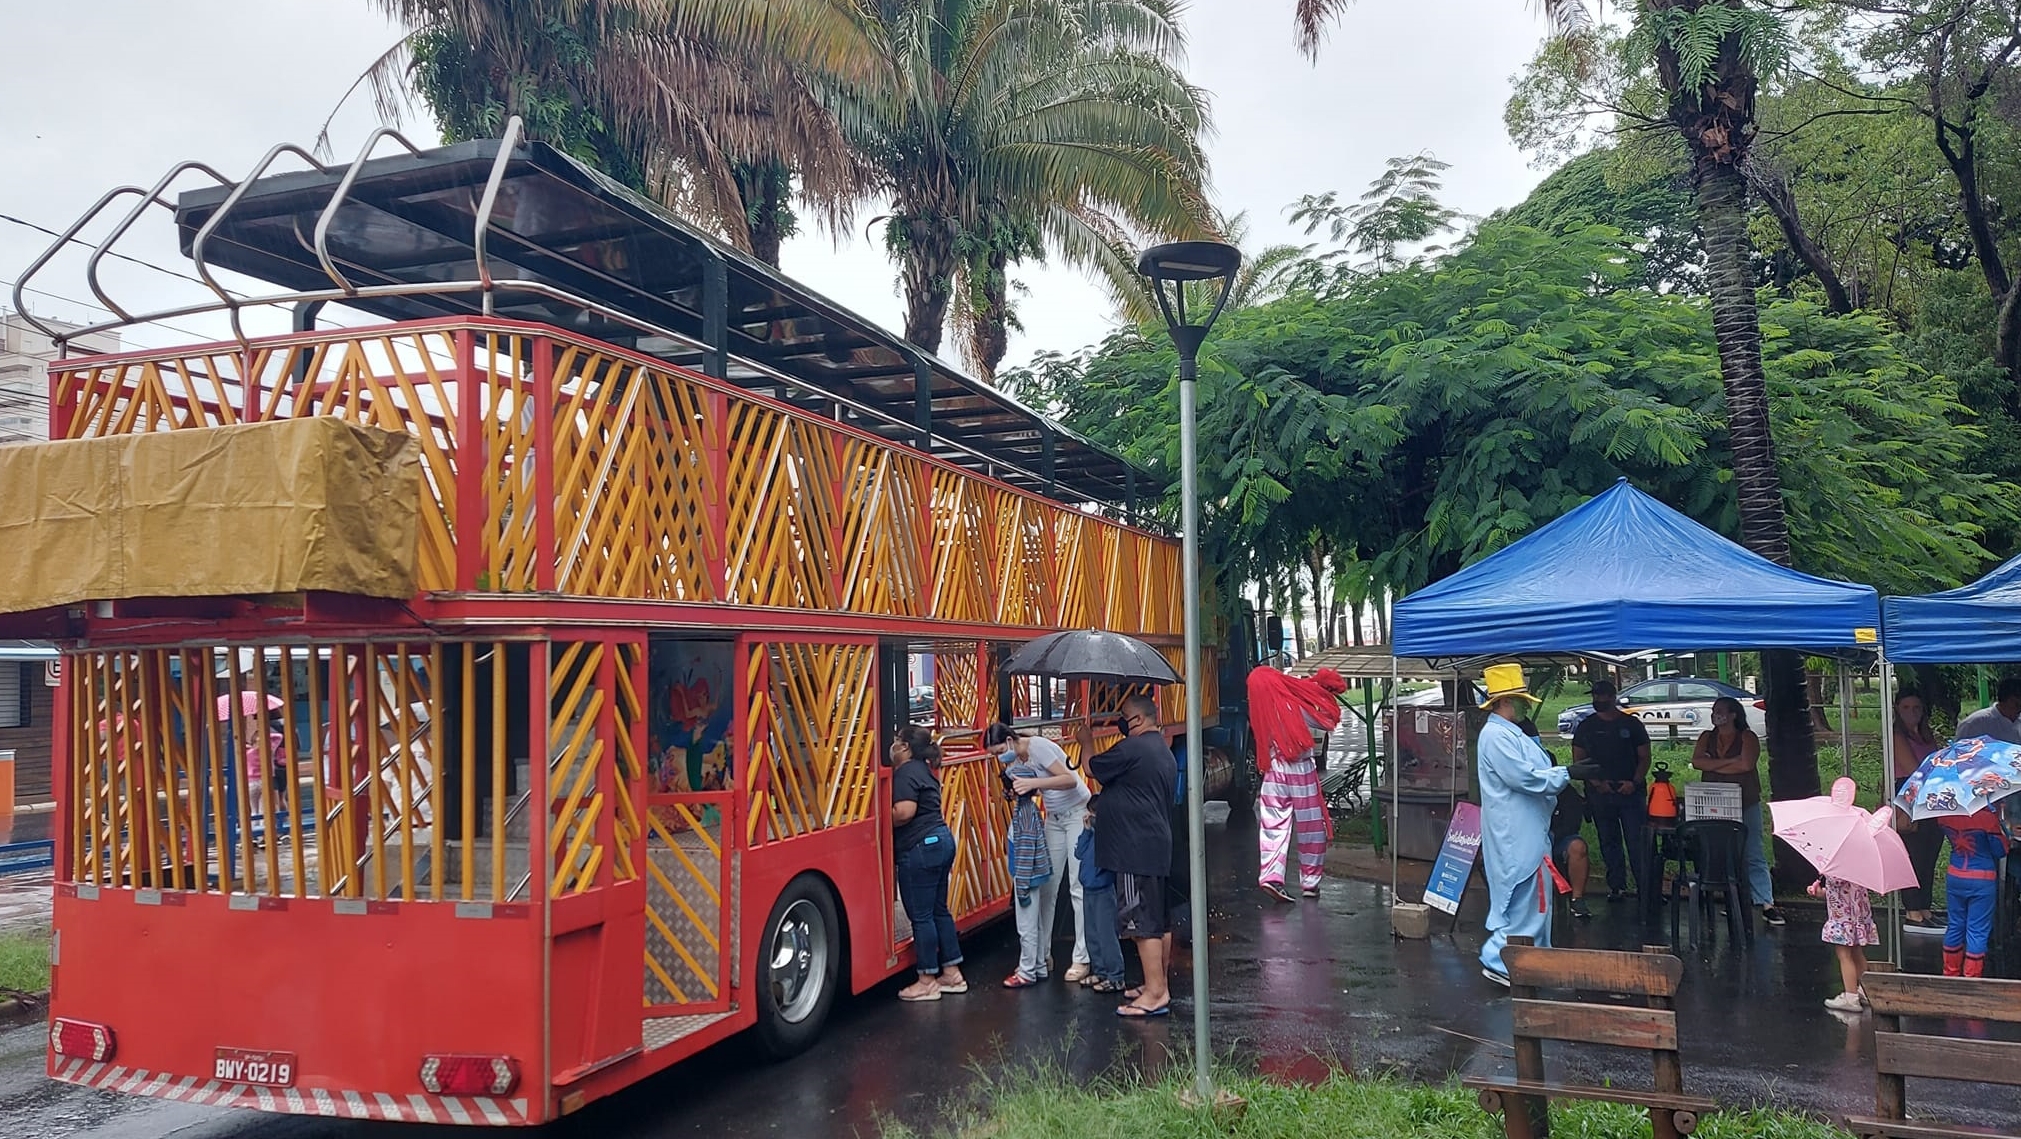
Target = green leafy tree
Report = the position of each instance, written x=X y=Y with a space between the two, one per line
x=1707 y=58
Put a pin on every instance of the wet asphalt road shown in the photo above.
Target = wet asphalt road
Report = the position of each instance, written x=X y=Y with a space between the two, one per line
x=1297 y=988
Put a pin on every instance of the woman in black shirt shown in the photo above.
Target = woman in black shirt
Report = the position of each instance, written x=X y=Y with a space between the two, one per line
x=924 y=850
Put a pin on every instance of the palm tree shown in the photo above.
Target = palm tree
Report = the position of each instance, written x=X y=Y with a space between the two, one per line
x=1709 y=56
x=1001 y=129
x=708 y=105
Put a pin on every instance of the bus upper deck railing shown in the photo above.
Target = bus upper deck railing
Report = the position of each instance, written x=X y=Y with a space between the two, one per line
x=558 y=464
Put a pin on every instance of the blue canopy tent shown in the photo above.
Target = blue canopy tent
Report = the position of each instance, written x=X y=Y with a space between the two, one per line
x=1624 y=573
x=1976 y=622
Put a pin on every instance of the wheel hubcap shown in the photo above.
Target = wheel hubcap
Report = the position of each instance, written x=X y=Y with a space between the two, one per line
x=799 y=960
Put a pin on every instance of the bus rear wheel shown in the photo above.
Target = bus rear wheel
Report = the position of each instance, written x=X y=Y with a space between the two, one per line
x=799 y=967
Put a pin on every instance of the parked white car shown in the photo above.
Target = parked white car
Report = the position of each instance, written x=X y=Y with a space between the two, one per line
x=1684 y=702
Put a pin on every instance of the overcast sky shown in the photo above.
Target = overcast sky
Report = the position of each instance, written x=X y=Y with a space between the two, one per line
x=101 y=93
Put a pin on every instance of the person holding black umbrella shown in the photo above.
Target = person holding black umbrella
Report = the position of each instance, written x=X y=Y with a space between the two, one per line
x=1134 y=841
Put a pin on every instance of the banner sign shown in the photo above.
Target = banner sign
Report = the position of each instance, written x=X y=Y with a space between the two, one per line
x=1456 y=859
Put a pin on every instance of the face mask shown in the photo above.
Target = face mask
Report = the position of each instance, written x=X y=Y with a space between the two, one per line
x=1008 y=755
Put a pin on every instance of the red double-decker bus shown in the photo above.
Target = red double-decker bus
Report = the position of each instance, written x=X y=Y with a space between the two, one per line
x=597 y=782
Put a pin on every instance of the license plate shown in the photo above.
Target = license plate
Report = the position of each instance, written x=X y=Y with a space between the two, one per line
x=261 y=1069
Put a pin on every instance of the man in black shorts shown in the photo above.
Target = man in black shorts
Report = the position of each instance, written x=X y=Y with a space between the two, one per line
x=1135 y=841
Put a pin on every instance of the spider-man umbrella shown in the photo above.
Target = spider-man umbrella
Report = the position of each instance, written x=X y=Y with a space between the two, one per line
x=1092 y=654
x=1961 y=779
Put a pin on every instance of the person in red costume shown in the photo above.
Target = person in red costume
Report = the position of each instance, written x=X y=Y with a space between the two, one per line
x=1283 y=713
x=1970 y=886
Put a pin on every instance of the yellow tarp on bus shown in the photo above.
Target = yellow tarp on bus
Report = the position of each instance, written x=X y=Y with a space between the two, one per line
x=263 y=508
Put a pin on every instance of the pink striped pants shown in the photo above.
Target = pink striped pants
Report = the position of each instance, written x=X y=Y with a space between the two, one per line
x=1289 y=810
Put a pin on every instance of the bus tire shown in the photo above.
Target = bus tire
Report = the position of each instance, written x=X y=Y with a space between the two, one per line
x=799 y=967
x=1242 y=785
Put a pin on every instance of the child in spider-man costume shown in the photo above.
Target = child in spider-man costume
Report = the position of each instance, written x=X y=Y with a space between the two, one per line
x=1971 y=883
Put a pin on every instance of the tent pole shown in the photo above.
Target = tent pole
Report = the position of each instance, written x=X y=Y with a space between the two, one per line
x=1887 y=795
x=1845 y=718
x=1395 y=767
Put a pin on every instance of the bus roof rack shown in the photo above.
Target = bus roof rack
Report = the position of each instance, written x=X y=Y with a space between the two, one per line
x=554 y=242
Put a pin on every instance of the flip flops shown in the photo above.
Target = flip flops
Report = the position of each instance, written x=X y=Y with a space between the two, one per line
x=1139 y=1012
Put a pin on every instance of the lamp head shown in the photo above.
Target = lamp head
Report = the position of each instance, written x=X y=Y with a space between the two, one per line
x=1174 y=266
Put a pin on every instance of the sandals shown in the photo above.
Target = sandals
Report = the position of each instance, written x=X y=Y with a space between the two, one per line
x=1139 y=1012
x=913 y=993
x=1101 y=986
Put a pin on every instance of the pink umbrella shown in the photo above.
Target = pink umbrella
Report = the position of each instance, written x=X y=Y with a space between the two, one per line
x=249 y=704
x=1844 y=842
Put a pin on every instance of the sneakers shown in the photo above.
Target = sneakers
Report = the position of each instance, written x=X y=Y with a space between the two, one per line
x=1772 y=916
x=1620 y=895
x=1276 y=890
x=1849 y=1001
x=1579 y=910
x=1495 y=975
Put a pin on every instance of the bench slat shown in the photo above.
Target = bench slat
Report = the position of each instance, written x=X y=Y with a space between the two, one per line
x=1974 y=998
x=1634 y=1097
x=1649 y=1029
x=1920 y=1129
x=1594 y=970
x=1948 y=1058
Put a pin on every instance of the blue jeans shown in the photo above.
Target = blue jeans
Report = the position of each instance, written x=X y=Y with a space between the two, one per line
x=1105 y=953
x=1618 y=818
x=1759 y=885
x=922 y=886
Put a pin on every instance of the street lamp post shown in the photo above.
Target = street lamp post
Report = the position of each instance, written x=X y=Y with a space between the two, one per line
x=1172 y=268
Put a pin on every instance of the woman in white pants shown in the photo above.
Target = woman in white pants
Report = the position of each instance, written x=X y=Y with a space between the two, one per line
x=1065 y=797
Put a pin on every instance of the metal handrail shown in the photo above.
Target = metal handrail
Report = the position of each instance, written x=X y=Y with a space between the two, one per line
x=61 y=340
x=488 y=203
x=152 y=197
x=231 y=304
x=343 y=191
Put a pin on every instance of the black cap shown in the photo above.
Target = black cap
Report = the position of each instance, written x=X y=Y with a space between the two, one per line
x=1601 y=688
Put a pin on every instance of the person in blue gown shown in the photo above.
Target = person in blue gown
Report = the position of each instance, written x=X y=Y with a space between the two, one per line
x=1519 y=788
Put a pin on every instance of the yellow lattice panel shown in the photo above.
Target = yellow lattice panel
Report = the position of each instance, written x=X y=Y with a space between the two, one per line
x=961 y=549
x=1076 y=571
x=684 y=903
x=783 y=515
x=575 y=749
x=971 y=800
x=813 y=732
x=1023 y=562
x=884 y=531
x=630 y=707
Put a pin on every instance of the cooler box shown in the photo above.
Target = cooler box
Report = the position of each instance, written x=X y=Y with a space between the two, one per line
x=1712 y=801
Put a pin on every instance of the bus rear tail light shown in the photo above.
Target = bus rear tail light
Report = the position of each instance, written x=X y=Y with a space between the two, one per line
x=469 y=1075
x=1762 y=704
x=81 y=1040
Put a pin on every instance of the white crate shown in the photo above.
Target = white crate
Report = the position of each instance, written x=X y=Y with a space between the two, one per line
x=1712 y=801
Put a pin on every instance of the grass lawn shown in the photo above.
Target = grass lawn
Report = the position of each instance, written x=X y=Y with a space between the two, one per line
x=24 y=961
x=1342 y=1107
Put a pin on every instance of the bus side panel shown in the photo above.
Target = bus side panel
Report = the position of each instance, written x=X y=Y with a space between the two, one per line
x=359 y=999
x=852 y=860
x=598 y=994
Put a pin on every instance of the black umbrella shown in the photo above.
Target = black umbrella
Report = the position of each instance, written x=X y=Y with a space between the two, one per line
x=1091 y=654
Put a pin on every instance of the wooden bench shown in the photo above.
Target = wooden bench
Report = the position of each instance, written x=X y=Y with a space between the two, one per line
x=1899 y=1054
x=1650 y=1026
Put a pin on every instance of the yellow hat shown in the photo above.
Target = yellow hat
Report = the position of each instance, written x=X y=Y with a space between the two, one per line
x=1506 y=680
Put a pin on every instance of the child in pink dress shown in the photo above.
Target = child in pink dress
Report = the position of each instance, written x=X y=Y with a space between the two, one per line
x=1849 y=925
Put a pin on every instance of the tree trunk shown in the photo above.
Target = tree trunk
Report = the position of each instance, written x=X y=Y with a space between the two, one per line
x=1775 y=193
x=928 y=262
x=765 y=190
x=1764 y=528
x=992 y=332
x=765 y=241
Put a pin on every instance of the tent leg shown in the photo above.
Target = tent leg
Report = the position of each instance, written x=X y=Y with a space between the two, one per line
x=1395 y=774
x=1845 y=719
x=1887 y=793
